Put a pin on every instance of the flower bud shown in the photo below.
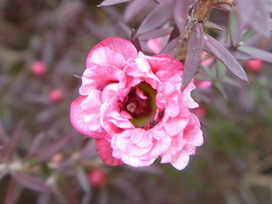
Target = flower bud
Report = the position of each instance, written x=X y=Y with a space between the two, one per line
x=97 y=177
x=55 y=96
x=254 y=65
x=39 y=68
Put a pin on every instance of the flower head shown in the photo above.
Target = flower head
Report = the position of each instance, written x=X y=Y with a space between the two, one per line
x=133 y=106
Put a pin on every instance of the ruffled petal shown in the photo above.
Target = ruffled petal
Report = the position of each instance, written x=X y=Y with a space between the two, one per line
x=118 y=46
x=79 y=122
x=104 y=150
x=97 y=77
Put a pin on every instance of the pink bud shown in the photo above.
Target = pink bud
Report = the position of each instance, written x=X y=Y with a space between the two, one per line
x=97 y=177
x=254 y=65
x=55 y=96
x=39 y=68
x=203 y=84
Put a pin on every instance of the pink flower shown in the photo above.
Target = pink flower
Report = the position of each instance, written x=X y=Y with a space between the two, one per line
x=133 y=106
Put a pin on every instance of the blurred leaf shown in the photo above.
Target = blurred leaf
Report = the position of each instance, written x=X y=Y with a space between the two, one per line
x=112 y=2
x=135 y=40
x=85 y=186
x=213 y=26
x=4 y=139
x=225 y=57
x=230 y=81
x=245 y=10
x=220 y=88
x=127 y=189
x=35 y=145
x=47 y=152
x=158 y=17
x=172 y=48
x=210 y=72
x=261 y=19
x=256 y=53
x=134 y=8
x=161 y=32
x=181 y=13
x=236 y=30
x=31 y=182
x=13 y=192
x=249 y=34
x=89 y=150
x=194 y=51
x=15 y=138
x=221 y=69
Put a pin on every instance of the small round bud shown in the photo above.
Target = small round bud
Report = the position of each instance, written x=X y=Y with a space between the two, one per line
x=254 y=65
x=39 y=68
x=55 y=96
x=97 y=177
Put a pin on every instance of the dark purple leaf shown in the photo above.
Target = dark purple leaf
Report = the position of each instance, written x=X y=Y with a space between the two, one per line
x=256 y=53
x=135 y=40
x=127 y=189
x=213 y=26
x=125 y=28
x=88 y=150
x=240 y=55
x=84 y=184
x=245 y=11
x=112 y=2
x=4 y=139
x=52 y=149
x=173 y=47
x=31 y=182
x=225 y=57
x=194 y=51
x=13 y=192
x=35 y=145
x=134 y=8
x=158 y=17
x=10 y=148
x=236 y=30
x=261 y=19
x=181 y=13
x=161 y=32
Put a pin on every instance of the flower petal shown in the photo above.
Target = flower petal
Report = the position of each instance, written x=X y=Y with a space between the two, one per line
x=118 y=45
x=104 y=150
x=97 y=77
x=78 y=120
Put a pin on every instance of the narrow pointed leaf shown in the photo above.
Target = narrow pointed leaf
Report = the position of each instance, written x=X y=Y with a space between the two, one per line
x=261 y=16
x=245 y=11
x=181 y=13
x=225 y=57
x=235 y=28
x=112 y=2
x=13 y=192
x=161 y=32
x=52 y=149
x=158 y=17
x=194 y=51
x=172 y=48
x=134 y=8
x=213 y=26
x=15 y=138
x=31 y=182
x=256 y=53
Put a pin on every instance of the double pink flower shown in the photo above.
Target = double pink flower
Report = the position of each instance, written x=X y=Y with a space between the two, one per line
x=134 y=107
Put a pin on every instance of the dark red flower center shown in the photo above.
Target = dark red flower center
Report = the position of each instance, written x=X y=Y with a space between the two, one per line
x=141 y=104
